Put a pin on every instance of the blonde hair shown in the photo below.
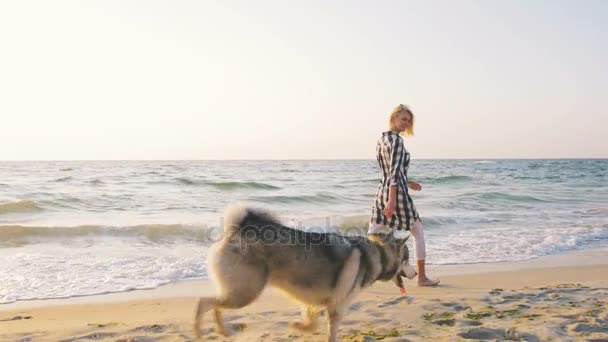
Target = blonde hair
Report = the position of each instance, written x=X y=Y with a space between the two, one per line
x=398 y=110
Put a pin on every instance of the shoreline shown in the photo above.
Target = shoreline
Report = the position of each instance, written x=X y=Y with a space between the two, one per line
x=554 y=298
x=196 y=287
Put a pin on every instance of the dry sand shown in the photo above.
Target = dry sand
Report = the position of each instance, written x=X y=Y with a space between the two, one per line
x=561 y=298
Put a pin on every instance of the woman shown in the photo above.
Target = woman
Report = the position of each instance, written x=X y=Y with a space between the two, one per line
x=394 y=207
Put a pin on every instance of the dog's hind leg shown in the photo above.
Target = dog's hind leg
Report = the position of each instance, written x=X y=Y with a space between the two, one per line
x=239 y=286
x=219 y=321
x=310 y=319
x=235 y=301
x=204 y=304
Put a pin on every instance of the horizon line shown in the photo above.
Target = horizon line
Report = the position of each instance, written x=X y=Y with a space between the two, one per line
x=294 y=159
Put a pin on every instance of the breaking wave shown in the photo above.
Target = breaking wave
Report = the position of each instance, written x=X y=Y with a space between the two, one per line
x=242 y=185
x=17 y=235
x=21 y=206
x=228 y=185
x=319 y=198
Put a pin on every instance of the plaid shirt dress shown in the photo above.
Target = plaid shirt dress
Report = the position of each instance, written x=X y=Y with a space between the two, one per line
x=394 y=161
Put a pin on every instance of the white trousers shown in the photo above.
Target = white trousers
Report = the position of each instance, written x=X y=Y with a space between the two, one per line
x=416 y=231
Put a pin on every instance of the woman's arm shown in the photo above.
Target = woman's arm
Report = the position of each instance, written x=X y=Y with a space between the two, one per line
x=414 y=186
x=395 y=163
x=391 y=205
x=395 y=160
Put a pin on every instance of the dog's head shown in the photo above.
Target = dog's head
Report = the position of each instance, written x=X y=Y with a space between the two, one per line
x=396 y=257
x=404 y=270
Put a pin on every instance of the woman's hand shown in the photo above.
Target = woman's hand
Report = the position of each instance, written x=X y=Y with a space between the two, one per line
x=390 y=208
x=414 y=186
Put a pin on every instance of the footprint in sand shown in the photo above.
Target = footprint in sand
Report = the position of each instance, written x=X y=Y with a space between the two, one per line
x=468 y=323
x=154 y=328
x=93 y=336
x=589 y=328
x=376 y=322
x=437 y=316
x=358 y=305
x=233 y=318
x=395 y=301
x=496 y=291
x=231 y=329
x=207 y=331
x=497 y=334
x=236 y=328
x=280 y=325
x=445 y=322
x=440 y=318
x=139 y=339
x=16 y=318
x=600 y=292
x=456 y=306
x=517 y=296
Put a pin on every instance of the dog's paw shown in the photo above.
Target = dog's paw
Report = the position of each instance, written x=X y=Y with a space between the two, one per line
x=231 y=329
x=303 y=326
x=224 y=333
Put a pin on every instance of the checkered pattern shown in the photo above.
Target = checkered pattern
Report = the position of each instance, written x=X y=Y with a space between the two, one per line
x=394 y=161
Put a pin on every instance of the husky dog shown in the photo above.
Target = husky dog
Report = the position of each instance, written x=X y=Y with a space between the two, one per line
x=320 y=270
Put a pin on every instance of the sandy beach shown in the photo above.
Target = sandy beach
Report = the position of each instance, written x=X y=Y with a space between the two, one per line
x=554 y=298
x=150 y=147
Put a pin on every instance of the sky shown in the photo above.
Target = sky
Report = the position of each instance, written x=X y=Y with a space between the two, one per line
x=314 y=79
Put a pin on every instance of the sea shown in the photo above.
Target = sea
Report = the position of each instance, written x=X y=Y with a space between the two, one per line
x=79 y=228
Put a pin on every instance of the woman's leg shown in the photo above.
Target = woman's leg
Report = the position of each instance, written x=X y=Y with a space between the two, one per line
x=418 y=234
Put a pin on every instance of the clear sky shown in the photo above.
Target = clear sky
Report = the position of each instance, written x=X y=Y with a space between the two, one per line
x=301 y=79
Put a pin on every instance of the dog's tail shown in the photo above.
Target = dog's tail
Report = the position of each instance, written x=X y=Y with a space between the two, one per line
x=239 y=216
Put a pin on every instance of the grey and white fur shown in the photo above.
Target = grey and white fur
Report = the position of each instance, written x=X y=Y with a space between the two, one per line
x=322 y=271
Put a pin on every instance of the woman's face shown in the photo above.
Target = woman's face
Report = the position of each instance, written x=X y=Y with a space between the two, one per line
x=402 y=121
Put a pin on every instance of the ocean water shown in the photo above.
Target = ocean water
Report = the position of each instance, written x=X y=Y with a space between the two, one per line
x=82 y=228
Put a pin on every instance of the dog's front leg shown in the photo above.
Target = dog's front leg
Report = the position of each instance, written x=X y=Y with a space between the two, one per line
x=335 y=316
